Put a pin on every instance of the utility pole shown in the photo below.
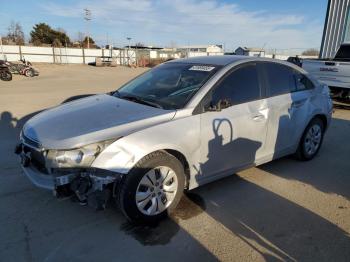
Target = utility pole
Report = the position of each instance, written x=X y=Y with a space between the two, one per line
x=129 y=38
x=87 y=17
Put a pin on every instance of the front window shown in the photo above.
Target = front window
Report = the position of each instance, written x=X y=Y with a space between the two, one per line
x=168 y=86
x=240 y=86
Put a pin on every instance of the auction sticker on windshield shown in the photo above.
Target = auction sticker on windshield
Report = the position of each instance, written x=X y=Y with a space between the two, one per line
x=201 y=68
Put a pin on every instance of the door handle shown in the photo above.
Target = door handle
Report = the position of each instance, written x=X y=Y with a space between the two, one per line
x=297 y=104
x=259 y=117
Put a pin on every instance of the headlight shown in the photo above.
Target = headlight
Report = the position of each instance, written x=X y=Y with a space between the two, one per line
x=81 y=157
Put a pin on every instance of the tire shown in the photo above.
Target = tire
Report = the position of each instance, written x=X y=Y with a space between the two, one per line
x=307 y=149
x=29 y=72
x=139 y=182
x=6 y=76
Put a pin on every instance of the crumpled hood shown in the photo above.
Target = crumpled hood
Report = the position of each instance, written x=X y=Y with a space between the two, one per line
x=92 y=119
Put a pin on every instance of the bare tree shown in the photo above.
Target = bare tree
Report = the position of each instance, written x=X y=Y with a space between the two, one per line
x=311 y=52
x=15 y=33
x=139 y=44
x=79 y=39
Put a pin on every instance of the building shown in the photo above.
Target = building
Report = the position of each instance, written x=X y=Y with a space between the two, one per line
x=336 y=28
x=200 y=50
x=250 y=51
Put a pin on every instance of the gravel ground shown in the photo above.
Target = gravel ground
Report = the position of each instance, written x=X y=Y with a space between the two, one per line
x=281 y=211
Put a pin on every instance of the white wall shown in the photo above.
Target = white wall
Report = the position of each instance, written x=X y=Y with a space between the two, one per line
x=79 y=56
x=280 y=57
x=214 y=49
x=153 y=54
x=256 y=53
x=63 y=55
x=11 y=53
x=194 y=54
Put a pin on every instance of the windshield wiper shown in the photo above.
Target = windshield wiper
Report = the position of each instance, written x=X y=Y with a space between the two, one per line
x=116 y=93
x=140 y=100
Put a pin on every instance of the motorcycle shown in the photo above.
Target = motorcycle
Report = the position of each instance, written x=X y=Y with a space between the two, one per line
x=24 y=68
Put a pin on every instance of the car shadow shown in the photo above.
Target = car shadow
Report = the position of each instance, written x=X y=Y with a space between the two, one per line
x=275 y=227
x=161 y=233
x=328 y=172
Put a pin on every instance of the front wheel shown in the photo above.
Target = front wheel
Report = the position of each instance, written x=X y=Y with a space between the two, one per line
x=152 y=189
x=311 y=140
x=29 y=72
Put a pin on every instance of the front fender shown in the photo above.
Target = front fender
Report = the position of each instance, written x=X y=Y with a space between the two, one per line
x=181 y=135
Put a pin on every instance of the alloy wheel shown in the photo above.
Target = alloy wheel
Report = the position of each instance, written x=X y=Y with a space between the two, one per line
x=156 y=190
x=313 y=139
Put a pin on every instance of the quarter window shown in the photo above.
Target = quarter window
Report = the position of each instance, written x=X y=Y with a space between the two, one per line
x=302 y=82
x=240 y=86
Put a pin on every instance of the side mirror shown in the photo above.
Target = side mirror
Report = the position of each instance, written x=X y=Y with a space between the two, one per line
x=220 y=105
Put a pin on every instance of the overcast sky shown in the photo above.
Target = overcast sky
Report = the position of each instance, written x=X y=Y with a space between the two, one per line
x=279 y=24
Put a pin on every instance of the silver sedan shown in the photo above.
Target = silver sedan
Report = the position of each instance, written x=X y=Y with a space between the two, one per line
x=178 y=126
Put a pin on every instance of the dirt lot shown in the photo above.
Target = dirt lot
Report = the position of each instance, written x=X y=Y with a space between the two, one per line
x=281 y=211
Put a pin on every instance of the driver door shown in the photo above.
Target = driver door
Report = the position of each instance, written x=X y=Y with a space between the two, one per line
x=234 y=123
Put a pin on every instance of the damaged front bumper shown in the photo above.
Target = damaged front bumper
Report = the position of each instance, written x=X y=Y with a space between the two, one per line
x=100 y=177
x=39 y=179
x=83 y=182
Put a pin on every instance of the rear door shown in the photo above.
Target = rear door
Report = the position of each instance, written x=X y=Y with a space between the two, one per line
x=302 y=106
x=288 y=103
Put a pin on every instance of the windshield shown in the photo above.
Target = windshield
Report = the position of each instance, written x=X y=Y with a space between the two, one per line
x=168 y=86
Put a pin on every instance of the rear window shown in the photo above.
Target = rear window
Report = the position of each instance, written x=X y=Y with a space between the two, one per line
x=343 y=53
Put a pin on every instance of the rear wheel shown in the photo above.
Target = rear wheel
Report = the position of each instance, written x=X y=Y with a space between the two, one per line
x=6 y=75
x=311 y=140
x=152 y=188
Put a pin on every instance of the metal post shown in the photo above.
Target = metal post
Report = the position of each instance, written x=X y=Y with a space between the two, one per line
x=2 y=50
x=53 y=55
x=128 y=52
x=20 y=52
x=66 y=52
x=83 y=55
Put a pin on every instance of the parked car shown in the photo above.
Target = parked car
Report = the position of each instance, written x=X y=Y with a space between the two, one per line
x=106 y=61
x=295 y=60
x=333 y=72
x=183 y=124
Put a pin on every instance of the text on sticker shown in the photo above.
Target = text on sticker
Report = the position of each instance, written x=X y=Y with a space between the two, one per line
x=202 y=68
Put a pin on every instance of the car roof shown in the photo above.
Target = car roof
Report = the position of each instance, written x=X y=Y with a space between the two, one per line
x=212 y=60
x=223 y=60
